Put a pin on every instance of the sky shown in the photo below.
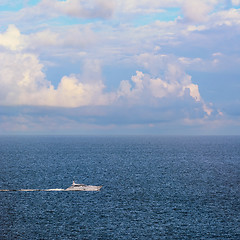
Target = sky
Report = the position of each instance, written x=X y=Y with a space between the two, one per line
x=162 y=67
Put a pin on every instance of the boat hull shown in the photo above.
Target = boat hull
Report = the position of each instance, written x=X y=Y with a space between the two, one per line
x=74 y=187
x=84 y=188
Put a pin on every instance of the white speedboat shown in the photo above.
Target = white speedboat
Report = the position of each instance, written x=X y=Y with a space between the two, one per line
x=82 y=187
x=74 y=187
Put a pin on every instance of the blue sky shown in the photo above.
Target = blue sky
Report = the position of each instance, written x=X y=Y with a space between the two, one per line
x=120 y=67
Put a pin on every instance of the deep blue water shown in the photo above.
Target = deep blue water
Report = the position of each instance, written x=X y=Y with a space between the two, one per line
x=153 y=187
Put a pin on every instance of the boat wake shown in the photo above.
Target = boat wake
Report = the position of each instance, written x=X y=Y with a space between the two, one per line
x=31 y=190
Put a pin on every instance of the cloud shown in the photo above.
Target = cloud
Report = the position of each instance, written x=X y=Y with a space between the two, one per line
x=41 y=14
x=121 y=42
x=86 y=9
x=147 y=89
x=27 y=84
x=54 y=40
x=167 y=117
x=229 y=17
x=197 y=10
x=12 y=38
x=86 y=89
x=193 y=10
x=164 y=55
x=73 y=8
x=21 y=79
x=164 y=78
x=69 y=41
x=235 y=2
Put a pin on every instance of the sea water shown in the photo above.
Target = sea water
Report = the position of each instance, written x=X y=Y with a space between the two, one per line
x=154 y=187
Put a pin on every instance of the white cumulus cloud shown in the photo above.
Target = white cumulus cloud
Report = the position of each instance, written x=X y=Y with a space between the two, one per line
x=12 y=38
x=23 y=82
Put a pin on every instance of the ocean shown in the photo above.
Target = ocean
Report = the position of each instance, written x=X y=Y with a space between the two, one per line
x=154 y=187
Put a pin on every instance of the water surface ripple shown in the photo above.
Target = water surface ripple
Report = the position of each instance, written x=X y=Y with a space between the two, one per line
x=153 y=187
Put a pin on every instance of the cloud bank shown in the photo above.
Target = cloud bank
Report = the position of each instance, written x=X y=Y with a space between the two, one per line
x=27 y=84
x=118 y=65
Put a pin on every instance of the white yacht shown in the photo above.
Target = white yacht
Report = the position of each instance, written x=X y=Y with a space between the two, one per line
x=82 y=187
x=74 y=187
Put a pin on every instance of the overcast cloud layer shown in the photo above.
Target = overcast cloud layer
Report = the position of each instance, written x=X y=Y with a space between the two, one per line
x=120 y=67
